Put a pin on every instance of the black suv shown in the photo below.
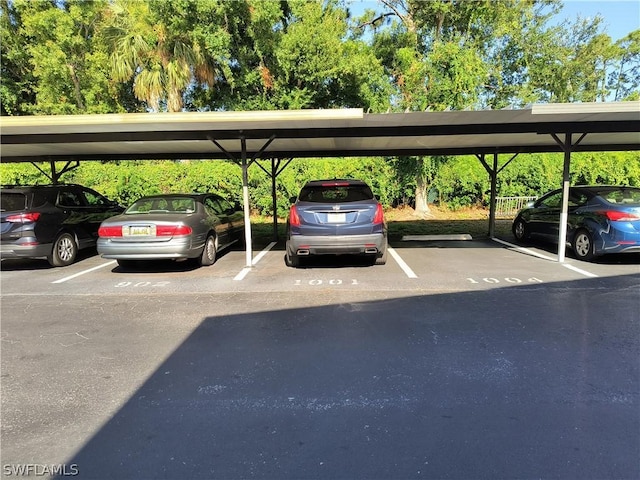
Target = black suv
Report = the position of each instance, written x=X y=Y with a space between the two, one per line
x=52 y=221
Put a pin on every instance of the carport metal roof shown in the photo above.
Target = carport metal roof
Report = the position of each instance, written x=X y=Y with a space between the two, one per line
x=323 y=133
x=317 y=133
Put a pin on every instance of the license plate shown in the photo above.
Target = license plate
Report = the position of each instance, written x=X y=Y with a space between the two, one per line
x=138 y=231
x=336 y=217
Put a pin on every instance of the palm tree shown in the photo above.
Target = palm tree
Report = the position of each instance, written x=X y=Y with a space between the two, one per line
x=162 y=63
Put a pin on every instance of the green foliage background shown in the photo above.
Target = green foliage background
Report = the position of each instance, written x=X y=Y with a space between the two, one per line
x=117 y=56
x=459 y=182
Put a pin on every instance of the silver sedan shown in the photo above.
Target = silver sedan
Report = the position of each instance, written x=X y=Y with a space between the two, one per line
x=174 y=226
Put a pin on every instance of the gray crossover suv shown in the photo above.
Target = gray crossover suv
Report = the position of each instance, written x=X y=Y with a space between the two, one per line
x=51 y=221
x=336 y=217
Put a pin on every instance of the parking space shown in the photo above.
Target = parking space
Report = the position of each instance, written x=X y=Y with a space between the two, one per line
x=445 y=265
x=339 y=368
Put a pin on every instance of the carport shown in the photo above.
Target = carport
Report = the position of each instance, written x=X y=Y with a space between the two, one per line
x=280 y=136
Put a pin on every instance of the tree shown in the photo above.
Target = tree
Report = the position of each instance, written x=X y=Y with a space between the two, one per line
x=439 y=57
x=18 y=83
x=166 y=46
x=296 y=54
x=56 y=40
x=624 y=80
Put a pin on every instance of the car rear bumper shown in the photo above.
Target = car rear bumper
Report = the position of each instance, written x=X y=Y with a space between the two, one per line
x=13 y=250
x=334 y=245
x=618 y=248
x=172 y=249
x=617 y=240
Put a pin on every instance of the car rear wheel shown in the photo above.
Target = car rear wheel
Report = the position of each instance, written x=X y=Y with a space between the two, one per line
x=520 y=231
x=64 y=251
x=209 y=252
x=583 y=246
x=292 y=260
x=381 y=259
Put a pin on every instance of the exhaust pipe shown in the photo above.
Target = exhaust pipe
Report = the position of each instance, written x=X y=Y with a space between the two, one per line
x=370 y=250
x=302 y=252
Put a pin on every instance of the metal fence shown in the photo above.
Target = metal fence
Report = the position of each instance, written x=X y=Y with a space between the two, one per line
x=507 y=207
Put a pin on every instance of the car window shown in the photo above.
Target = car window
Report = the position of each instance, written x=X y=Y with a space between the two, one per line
x=162 y=205
x=69 y=198
x=552 y=201
x=335 y=193
x=11 y=201
x=215 y=205
x=95 y=199
x=225 y=206
x=577 y=199
x=626 y=196
x=182 y=205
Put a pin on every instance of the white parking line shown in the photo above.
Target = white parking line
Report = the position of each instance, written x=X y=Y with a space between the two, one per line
x=243 y=273
x=536 y=254
x=579 y=270
x=523 y=250
x=62 y=280
x=407 y=270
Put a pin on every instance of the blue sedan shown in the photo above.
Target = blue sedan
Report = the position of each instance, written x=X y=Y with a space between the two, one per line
x=602 y=220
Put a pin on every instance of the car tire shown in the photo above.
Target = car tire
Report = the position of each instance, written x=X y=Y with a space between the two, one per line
x=64 y=252
x=520 y=230
x=382 y=258
x=583 y=246
x=209 y=252
x=292 y=260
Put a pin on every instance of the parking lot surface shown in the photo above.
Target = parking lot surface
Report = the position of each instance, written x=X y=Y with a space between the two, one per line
x=456 y=359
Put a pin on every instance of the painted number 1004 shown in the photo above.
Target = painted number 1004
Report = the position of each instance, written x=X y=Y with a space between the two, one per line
x=511 y=280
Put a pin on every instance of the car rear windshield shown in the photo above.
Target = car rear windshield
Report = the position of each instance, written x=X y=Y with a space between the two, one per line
x=10 y=202
x=623 y=196
x=335 y=193
x=162 y=205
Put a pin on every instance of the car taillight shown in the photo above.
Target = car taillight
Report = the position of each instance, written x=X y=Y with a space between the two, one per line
x=23 y=217
x=173 y=230
x=619 y=216
x=294 y=218
x=379 y=216
x=110 y=232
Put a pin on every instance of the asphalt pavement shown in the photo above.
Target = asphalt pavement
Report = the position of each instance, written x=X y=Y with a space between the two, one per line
x=455 y=360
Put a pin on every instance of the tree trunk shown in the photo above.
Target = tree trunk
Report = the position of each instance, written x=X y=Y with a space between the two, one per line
x=422 y=192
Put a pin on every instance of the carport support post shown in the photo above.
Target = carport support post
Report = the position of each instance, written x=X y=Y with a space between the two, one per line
x=494 y=192
x=274 y=199
x=493 y=174
x=564 y=215
x=245 y=200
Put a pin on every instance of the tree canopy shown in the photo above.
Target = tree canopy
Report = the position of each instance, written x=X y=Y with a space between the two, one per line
x=114 y=56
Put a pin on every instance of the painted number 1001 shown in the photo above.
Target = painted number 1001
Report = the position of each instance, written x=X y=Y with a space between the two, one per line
x=333 y=281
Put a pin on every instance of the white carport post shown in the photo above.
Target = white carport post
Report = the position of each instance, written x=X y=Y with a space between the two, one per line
x=567 y=147
x=564 y=212
x=245 y=201
x=244 y=163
